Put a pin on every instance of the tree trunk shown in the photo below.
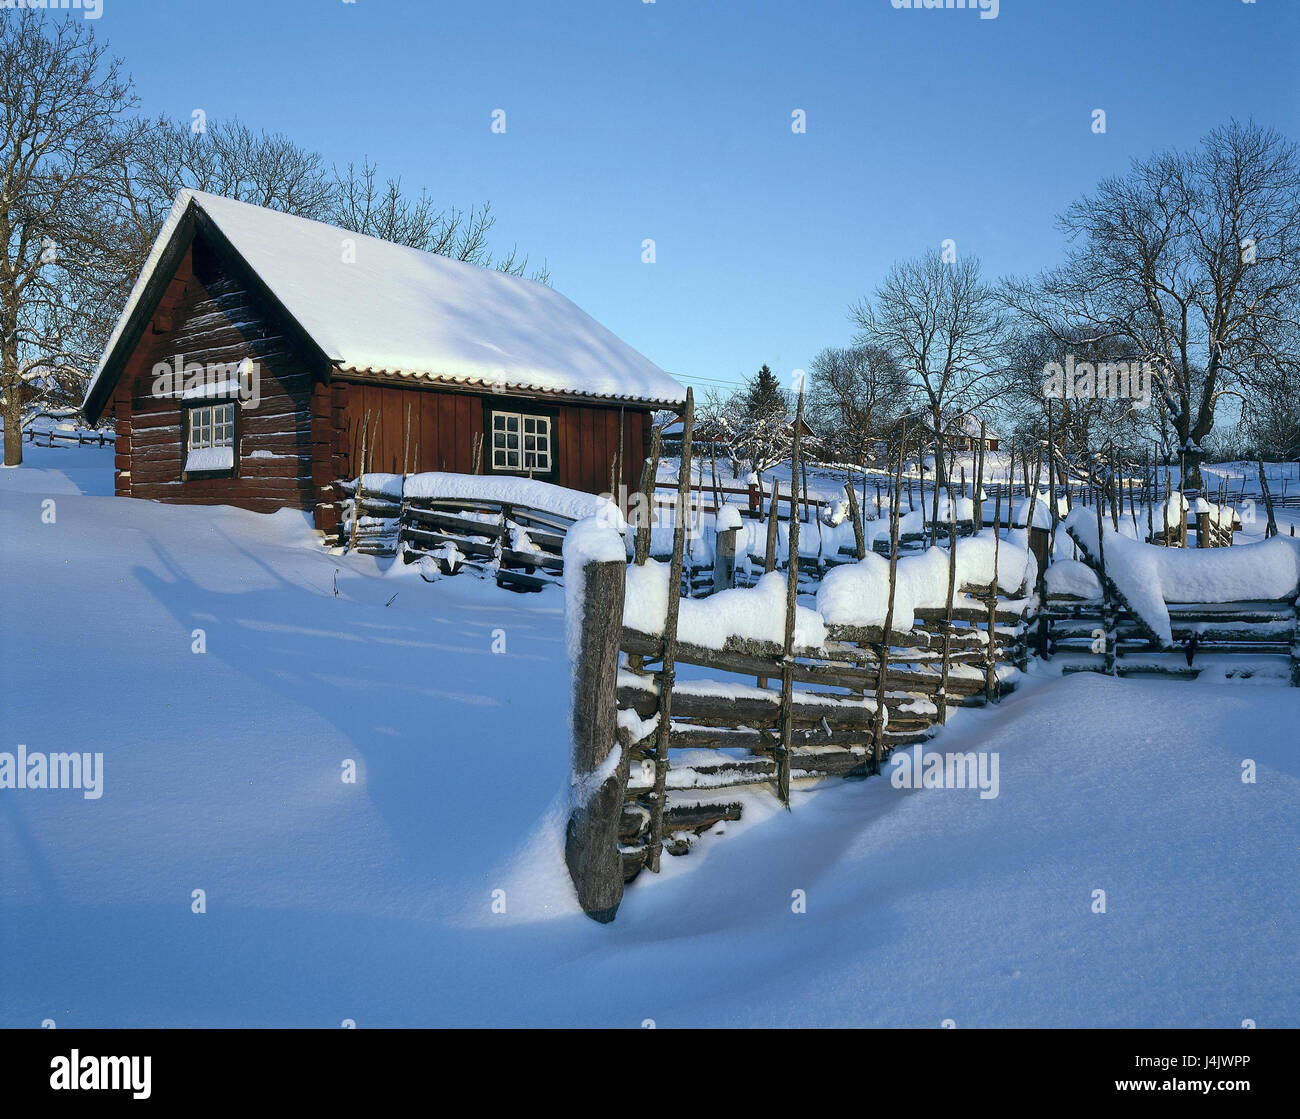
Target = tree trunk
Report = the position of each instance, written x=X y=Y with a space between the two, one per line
x=1192 y=470
x=13 y=412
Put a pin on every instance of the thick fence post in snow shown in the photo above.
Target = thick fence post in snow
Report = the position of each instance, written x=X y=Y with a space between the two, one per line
x=724 y=560
x=594 y=560
x=859 y=533
x=726 y=528
x=1039 y=545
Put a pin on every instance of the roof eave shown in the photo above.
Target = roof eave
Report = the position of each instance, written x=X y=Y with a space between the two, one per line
x=345 y=371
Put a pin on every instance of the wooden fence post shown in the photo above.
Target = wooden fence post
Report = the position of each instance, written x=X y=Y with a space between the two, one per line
x=668 y=661
x=1038 y=545
x=724 y=559
x=769 y=558
x=791 y=593
x=591 y=848
x=356 y=495
x=645 y=507
x=1270 y=528
x=859 y=535
x=882 y=676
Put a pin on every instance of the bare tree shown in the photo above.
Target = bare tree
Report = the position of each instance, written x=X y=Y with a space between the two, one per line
x=64 y=132
x=361 y=203
x=944 y=328
x=854 y=395
x=1271 y=414
x=226 y=158
x=1079 y=422
x=1192 y=261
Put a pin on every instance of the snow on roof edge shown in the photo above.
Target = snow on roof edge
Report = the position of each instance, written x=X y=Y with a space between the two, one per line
x=506 y=387
x=543 y=384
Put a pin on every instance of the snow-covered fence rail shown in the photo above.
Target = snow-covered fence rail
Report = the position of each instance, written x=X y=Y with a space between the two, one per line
x=772 y=691
x=1130 y=608
x=79 y=437
x=512 y=528
x=731 y=723
x=521 y=547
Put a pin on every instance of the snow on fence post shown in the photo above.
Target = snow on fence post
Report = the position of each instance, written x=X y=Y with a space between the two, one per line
x=991 y=652
x=1107 y=607
x=726 y=527
x=941 y=696
x=594 y=564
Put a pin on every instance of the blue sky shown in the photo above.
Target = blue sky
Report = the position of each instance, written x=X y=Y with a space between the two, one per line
x=672 y=121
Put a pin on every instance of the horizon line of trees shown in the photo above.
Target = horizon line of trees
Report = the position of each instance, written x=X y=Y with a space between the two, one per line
x=1185 y=268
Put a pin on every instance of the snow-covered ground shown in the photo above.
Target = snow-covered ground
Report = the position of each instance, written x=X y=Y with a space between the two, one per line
x=374 y=901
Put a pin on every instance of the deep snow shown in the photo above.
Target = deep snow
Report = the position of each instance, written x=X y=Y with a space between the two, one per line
x=373 y=901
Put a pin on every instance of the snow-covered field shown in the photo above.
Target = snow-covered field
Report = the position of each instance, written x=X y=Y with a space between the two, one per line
x=374 y=900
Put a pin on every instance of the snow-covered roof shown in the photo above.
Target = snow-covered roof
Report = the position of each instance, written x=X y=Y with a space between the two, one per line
x=962 y=423
x=398 y=311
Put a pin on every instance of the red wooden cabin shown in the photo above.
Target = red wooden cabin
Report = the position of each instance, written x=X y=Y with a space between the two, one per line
x=256 y=345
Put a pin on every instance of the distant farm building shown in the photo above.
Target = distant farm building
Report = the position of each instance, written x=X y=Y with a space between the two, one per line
x=960 y=430
x=260 y=352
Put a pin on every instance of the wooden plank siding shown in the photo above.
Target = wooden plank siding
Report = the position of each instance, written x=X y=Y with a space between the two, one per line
x=444 y=424
x=208 y=315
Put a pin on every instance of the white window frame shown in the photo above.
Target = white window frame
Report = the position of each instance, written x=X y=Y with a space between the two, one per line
x=210 y=426
x=528 y=426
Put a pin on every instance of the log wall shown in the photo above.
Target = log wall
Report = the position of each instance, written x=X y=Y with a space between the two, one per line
x=208 y=315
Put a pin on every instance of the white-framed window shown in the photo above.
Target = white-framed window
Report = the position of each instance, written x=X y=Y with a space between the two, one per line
x=210 y=437
x=521 y=442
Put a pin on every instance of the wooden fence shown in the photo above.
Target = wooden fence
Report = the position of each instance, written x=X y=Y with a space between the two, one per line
x=741 y=723
x=80 y=438
x=1108 y=637
x=521 y=547
x=759 y=712
x=1105 y=634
